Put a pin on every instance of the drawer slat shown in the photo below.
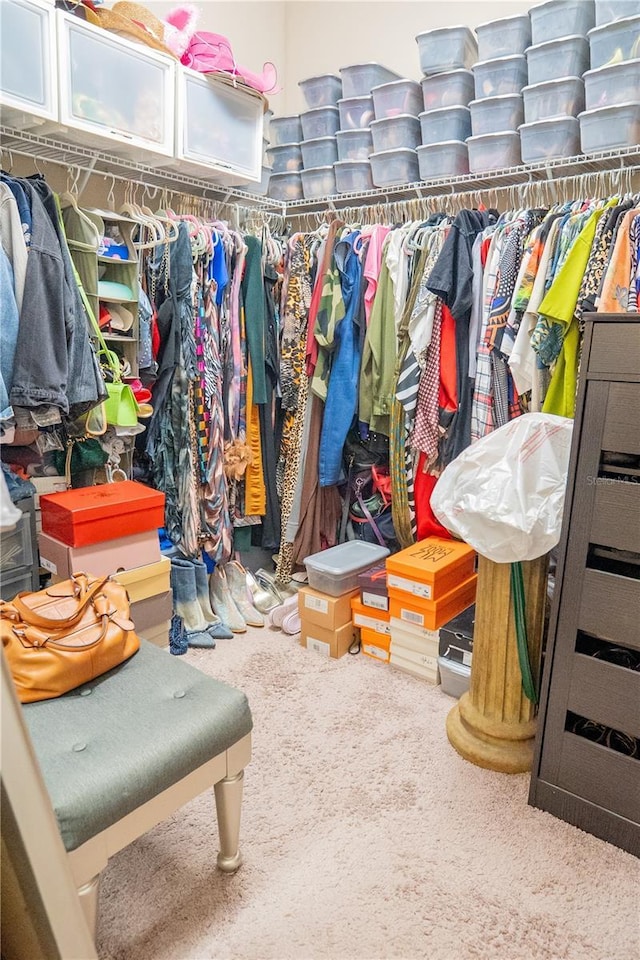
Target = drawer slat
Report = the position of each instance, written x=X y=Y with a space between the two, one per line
x=622 y=423
x=615 y=349
x=610 y=608
x=600 y=775
x=616 y=515
x=605 y=693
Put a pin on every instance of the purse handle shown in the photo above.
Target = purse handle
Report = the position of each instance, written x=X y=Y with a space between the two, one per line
x=37 y=620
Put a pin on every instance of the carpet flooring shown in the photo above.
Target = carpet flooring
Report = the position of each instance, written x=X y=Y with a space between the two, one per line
x=365 y=836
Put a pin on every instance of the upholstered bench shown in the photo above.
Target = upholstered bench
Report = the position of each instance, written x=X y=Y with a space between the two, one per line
x=123 y=752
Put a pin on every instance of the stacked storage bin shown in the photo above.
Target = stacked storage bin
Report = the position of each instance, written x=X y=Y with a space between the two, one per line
x=395 y=132
x=557 y=58
x=499 y=76
x=446 y=56
x=611 y=119
x=285 y=158
x=370 y=612
x=354 y=171
x=320 y=122
x=429 y=583
x=325 y=605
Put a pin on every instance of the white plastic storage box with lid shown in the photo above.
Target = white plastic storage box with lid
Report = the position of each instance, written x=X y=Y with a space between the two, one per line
x=397 y=97
x=555 y=98
x=354 y=144
x=286 y=158
x=321 y=91
x=321 y=152
x=446 y=48
x=610 y=128
x=318 y=182
x=285 y=130
x=455 y=678
x=285 y=186
x=353 y=176
x=439 y=160
x=494 y=151
x=394 y=167
x=561 y=18
x=359 y=79
x=565 y=57
x=219 y=128
x=335 y=571
x=115 y=94
x=495 y=114
x=448 y=123
x=504 y=37
x=395 y=132
x=607 y=86
x=356 y=113
x=495 y=78
x=319 y=122
x=28 y=64
x=549 y=139
x=609 y=10
x=614 y=42
x=452 y=89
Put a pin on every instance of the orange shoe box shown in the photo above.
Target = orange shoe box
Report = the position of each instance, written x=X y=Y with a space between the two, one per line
x=431 y=615
x=328 y=643
x=369 y=617
x=374 y=644
x=323 y=610
x=107 y=512
x=430 y=568
x=101 y=559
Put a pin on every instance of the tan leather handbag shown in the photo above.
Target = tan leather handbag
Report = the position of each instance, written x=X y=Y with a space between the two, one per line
x=57 y=639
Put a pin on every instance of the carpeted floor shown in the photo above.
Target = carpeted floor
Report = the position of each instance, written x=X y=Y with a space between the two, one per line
x=364 y=836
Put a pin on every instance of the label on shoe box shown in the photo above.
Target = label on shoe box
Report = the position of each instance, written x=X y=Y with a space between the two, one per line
x=319 y=646
x=48 y=565
x=316 y=603
x=375 y=600
x=423 y=590
x=327 y=612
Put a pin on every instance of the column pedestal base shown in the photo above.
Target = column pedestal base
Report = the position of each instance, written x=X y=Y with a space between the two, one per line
x=503 y=750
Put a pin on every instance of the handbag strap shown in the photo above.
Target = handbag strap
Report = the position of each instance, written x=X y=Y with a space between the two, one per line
x=369 y=517
x=37 y=620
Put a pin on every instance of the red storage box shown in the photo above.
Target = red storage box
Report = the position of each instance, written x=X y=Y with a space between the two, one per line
x=95 y=514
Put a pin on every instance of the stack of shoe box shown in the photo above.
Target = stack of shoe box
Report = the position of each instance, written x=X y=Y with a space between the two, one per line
x=112 y=530
x=429 y=583
x=370 y=611
x=456 y=652
x=325 y=605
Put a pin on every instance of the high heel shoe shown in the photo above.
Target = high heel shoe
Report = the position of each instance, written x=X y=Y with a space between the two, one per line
x=262 y=599
x=237 y=580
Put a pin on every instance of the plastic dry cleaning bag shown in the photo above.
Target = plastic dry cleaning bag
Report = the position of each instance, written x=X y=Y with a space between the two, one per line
x=504 y=495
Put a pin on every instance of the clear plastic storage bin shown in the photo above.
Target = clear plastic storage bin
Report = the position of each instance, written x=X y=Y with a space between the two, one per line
x=359 y=79
x=495 y=151
x=608 y=10
x=610 y=128
x=449 y=123
x=28 y=63
x=352 y=176
x=16 y=546
x=335 y=571
x=321 y=152
x=356 y=113
x=318 y=182
x=555 y=98
x=453 y=89
x=285 y=186
x=455 y=678
x=392 y=167
x=549 y=139
x=494 y=78
x=557 y=59
x=354 y=144
x=285 y=158
x=504 y=37
x=14 y=582
x=260 y=189
x=399 y=96
x=607 y=86
x=285 y=130
x=561 y=18
x=448 y=159
x=321 y=122
x=496 y=114
x=322 y=91
x=446 y=48
x=614 y=42
x=395 y=132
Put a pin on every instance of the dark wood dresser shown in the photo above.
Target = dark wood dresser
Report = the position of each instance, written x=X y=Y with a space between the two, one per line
x=586 y=767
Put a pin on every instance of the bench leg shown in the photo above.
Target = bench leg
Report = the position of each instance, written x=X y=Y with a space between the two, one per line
x=228 y=807
x=88 y=894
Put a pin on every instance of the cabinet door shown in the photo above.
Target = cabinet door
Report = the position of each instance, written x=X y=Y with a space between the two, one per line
x=28 y=83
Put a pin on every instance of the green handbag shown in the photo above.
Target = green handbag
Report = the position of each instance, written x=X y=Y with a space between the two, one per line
x=121 y=406
x=82 y=453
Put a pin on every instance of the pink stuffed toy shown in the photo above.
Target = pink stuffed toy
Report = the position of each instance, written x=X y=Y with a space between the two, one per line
x=179 y=26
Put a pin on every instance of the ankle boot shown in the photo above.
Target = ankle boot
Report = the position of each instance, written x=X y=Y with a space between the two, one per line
x=185 y=603
x=178 y=643
x=237 y=580
x=215 y=626
x=223 y=603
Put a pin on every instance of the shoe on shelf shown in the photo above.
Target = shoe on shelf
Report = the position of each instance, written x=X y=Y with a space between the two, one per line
x=223 y=603
x=237 y=580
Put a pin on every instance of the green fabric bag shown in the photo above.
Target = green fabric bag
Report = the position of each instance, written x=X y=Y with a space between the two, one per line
x=121 y=406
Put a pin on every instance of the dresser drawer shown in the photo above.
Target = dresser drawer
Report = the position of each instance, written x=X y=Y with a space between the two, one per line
x=615 y=349
x=622 y=423
x=598 y=774
x=615 y=521
x=609 y=608
x=606 y=693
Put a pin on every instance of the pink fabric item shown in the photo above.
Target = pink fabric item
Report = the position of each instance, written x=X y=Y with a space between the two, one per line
x=372 y=266
x=179 y=26
x=212 y=53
